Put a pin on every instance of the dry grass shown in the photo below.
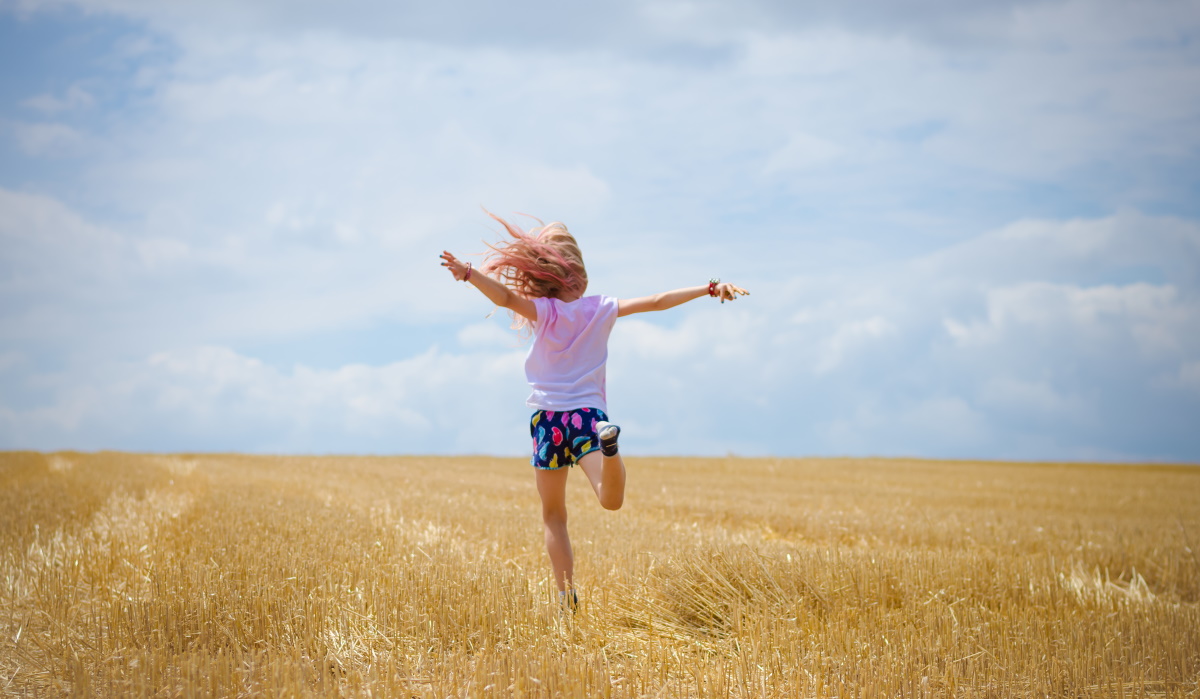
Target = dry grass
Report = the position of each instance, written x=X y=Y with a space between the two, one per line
x=221 y=575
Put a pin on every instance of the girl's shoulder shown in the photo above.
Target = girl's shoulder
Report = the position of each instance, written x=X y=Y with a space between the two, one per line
x=582 y=302
x=598 y=303
x=584 y=307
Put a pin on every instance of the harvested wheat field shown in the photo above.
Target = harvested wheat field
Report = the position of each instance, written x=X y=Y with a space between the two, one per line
x=229 y=575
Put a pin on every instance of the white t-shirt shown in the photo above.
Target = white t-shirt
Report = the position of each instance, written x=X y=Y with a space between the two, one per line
x=565 y=366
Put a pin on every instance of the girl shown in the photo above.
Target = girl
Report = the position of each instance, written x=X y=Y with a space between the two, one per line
x=539 y=276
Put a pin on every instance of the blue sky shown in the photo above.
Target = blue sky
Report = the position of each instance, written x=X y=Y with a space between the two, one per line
x=970 y=230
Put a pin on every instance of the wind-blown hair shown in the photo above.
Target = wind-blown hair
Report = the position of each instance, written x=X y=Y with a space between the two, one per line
x=542 y=263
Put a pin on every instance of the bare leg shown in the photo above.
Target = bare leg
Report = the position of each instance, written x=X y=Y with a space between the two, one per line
x=607 y=476
x=552 y=487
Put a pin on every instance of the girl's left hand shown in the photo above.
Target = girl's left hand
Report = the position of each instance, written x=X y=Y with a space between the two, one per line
x=458 y=269
x=729 y=292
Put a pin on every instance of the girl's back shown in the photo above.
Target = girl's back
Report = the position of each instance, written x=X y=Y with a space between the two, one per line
x=565 y=366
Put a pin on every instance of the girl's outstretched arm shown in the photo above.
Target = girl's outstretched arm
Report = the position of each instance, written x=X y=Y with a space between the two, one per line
x=670 y=299
x=496 y=292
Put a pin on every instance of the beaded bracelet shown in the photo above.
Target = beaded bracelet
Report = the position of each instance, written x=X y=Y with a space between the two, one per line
x=467 y=276
x=712 y=286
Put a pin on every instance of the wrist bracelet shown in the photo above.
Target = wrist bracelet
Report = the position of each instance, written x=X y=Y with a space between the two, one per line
x=712 y=286
x=467 y=276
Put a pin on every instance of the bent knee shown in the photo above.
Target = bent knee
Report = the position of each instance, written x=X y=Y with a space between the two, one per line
x=613 y=503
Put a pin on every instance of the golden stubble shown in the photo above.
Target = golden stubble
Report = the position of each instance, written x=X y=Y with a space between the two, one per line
x=232 y=575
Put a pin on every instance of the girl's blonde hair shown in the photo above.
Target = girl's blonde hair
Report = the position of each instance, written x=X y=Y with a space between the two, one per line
x=542 y=263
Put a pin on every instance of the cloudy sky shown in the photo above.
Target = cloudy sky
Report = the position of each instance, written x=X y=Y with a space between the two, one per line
x=969 y=229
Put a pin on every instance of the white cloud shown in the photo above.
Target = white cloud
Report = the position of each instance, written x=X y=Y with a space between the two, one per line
x=1189 y=375
x=1034 y=249
x=214 y=398
x=488 y=335
x=159 y=252
x=1033 y=400
x=68 y=277
x=50 y=251
x=1146 y=312
x=860 y=366
x=48 y=139
x=847 y=338
x=826 y=52
x=647 y=340
x=699 y=333
x=903 y=428
x=290 y=173
x=75 y=97
x=8 y=360
x=802 y=152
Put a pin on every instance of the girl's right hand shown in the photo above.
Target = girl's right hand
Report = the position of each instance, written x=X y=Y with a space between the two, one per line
x=458 y=269
x=729 y=292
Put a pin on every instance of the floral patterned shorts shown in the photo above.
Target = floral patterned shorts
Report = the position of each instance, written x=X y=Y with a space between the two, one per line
x=563 y=438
